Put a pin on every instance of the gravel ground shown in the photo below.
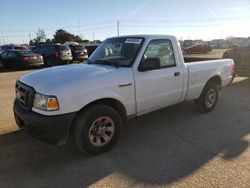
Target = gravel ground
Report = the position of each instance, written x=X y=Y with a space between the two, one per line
x=172 y=147
x=7 y=95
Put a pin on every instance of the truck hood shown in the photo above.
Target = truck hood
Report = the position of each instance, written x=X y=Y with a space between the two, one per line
x=47 y=80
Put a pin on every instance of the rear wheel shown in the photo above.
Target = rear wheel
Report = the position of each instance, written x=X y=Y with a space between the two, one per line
x=208 y=98
x=97 y=129
x=1 y=64
x=49 y=62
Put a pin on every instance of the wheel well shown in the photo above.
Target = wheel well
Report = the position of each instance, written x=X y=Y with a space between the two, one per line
x=117 y=105
x=216 y=80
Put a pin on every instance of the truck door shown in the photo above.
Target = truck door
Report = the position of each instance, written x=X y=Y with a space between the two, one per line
x=159 y=87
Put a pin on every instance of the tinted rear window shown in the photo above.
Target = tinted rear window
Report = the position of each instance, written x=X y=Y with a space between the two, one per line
x=24 y=53
x=77 y=47
x=64 y=48
x=20 y=48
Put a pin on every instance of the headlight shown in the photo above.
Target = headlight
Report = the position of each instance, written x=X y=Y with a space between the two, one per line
x=44 y=102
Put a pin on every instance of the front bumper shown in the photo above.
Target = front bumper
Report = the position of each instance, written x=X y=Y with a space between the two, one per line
x=54 y=129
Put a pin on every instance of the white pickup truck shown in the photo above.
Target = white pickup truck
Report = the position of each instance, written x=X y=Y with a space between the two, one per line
x=125 y=77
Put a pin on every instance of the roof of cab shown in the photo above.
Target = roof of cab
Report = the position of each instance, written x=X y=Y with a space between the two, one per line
x=148 y=36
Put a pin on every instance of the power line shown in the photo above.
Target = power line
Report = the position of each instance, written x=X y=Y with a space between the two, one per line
x=168 y=26
x=189 y=20
x=51 y=34
x=54 y=28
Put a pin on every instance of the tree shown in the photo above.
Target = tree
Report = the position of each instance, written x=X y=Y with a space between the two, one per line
x=40 y=36
x=48 y=41
x=31 y=43
x=62 y=36
x=78 y=38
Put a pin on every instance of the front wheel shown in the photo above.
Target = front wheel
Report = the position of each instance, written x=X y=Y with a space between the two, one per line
x=97 y=129
x=208 y=98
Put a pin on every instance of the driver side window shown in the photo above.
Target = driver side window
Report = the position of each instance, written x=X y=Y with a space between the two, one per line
x=4 y=54
x=161 y=49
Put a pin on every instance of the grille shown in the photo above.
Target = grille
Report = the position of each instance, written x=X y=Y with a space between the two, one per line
x=24 y=95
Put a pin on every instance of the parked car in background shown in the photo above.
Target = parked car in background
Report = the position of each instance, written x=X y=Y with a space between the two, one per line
x=198 y=49
x=241 y=55
x=19 y=59
x=91 y=48
x=11 y=47
x=79 y=53
x=54 y=54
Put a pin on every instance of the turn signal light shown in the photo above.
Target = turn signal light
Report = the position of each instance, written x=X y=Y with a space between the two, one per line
x=52 y=104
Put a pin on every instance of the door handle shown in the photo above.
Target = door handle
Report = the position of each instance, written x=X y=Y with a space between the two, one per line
x=177 y=73
x=125 y=84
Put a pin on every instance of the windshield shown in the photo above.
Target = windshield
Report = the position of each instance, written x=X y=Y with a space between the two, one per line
x=63 y=48
x=119 y=52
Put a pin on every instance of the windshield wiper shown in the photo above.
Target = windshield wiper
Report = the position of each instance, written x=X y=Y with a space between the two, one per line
x=105 y=62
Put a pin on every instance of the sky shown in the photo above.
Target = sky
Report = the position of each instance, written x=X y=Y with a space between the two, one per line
x=97 y=19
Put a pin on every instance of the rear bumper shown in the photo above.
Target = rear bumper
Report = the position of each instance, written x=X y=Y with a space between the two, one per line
x=54 y=129
x=27 y=65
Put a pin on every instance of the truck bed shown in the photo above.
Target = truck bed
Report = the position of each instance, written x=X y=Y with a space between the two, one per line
x=199 y=71
x=195 y=59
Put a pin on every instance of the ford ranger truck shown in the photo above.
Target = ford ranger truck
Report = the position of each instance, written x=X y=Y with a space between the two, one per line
x=125 y=77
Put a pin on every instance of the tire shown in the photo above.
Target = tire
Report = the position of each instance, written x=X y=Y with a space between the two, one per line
x=48 y=62
x=208 y=98
x=1 y=65
x=226 y=54
x=91 y=131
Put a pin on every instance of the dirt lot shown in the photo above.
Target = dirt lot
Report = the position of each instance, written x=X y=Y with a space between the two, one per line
x=7 y=93
x=175 y=147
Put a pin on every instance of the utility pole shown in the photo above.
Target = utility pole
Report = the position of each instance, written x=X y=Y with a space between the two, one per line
x=118 y=28
x=3 y=40
x=79 y=25
x=93 y=36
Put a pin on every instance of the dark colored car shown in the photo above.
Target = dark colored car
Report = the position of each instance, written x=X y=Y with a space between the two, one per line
x=241 y=55
x=54 y=54
x=79 y=53
x=91 y=48
x=19 y=59
x=198 y=49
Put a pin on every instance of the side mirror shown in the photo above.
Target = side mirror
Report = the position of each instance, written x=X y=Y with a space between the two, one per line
x=149 y=64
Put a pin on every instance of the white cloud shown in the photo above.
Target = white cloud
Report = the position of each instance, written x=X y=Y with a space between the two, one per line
x=138 y=9
x=213 y=13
